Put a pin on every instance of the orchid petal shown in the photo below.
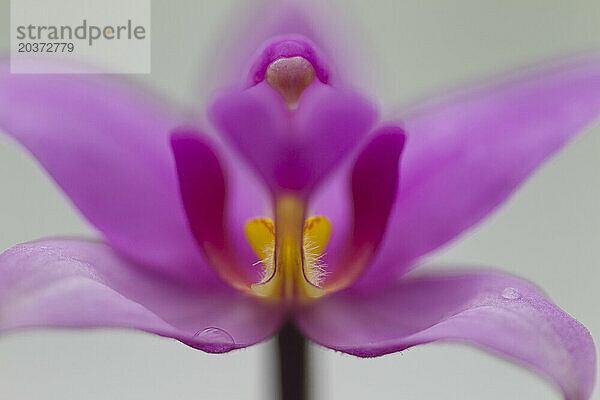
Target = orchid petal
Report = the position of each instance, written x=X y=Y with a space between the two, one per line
x=80 y=284
x=373 y=183
x=466 y=154
x=497 y=312
x=218 y=206
x=202 y=186
x=106 y=145
x=247 y=199
x=293 y=151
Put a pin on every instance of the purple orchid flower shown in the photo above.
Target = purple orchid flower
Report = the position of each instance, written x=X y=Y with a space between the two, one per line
x=306 y=206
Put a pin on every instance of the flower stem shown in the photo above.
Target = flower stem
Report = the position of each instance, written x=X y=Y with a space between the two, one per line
x=291 y=346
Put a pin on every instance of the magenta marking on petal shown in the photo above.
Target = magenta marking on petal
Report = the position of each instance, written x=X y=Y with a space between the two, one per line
x=287 y=46
x=204 y=193
x=374 y=183
x=202 y=185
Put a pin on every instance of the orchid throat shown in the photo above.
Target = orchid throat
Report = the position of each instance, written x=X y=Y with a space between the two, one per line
x=290 y=251
x=280 y=121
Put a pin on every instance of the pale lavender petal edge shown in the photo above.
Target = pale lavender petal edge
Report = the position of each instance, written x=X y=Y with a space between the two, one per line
x=500 y=313
x=85 y=284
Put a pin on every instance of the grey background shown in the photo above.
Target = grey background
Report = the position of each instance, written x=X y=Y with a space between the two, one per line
x=547 y=233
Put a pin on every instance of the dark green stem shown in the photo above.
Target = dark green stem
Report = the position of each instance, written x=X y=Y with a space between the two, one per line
x=292 y=349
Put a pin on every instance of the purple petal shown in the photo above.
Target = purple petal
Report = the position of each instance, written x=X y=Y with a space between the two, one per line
x=466 y=154
x=202 y=186
x=79 y=284
x=497 y=312
x=373 y=182
x=333 y=200
x=106 y=145
x=247 y=198
x=292 y=150
x=206 y=193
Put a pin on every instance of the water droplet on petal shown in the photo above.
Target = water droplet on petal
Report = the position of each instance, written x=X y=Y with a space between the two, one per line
x=221 y=340
x=511 y=293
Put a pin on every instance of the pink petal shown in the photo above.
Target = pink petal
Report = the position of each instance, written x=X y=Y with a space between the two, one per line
x=202 y=186
x=217 y=206
x=247 y=198
x=79 y=284
x=292 y=150
x=370 y=190
x=497 y=312
x=466 y=154
x=106 y=145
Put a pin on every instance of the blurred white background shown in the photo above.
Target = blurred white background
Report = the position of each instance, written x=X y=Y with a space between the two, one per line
x=548 y=233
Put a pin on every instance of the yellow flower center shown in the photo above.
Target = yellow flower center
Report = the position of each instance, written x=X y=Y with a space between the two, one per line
x=290 y=251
